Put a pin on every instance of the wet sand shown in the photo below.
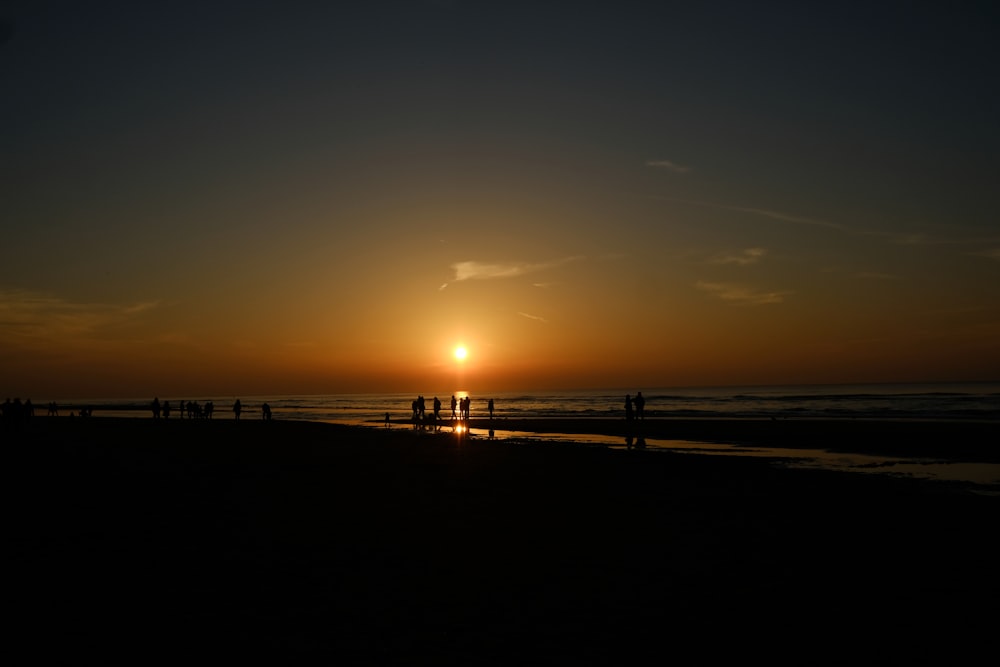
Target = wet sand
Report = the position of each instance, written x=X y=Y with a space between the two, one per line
x=289 y=540
x=972 y=441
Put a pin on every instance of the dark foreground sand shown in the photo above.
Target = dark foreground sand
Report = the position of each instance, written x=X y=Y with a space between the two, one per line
x=289 y=541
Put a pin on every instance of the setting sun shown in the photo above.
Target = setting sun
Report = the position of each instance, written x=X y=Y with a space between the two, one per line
x=461 y=353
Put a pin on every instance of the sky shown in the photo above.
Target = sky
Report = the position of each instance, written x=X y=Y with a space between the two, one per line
x=248 y=198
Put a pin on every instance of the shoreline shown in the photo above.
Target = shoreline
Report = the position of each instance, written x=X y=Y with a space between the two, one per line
x=973 y=441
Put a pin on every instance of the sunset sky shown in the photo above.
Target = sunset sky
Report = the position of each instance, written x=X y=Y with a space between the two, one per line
x=224 y=198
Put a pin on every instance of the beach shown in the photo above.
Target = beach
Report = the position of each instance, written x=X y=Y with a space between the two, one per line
x=230 y=539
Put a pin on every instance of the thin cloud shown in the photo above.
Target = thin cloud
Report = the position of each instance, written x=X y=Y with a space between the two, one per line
x=533 y=317
x=785 y=217
x=766 y=213
x=874 y=275
x=27 y=315
x=668 y=165
x=744 y=258
x=990 y=253
x=741 y=294
x=898 y=238
x=473 y=270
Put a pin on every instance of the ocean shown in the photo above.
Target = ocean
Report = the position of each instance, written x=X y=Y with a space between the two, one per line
x=896 y=401
x=951 y=401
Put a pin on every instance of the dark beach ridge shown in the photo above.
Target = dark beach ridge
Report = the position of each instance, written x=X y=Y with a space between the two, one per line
x=139 y=539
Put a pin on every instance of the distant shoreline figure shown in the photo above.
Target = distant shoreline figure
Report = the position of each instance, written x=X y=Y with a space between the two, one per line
x=454 y=407
x=387 y=420
x=237 y=409
x=266 y=412
x=156 y=408
x=437 y=409
x=166 y=409
x=628 y=407
x=640 y=404
x=490 y=406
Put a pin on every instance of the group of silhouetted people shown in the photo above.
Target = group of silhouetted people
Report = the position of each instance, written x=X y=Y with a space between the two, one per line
x=195 y=410
x=634 y=407
x=15 y=414
x=461 y=409
x=192 y=409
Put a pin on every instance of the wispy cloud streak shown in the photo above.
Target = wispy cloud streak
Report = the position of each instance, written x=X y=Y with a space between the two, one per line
x=26 y=315
x=537 y=318
x=748 y=256
x=785 y=217
x=741 y=294
x=898 y=238
x=668 y=165
x=473 y=270
x=991 y=253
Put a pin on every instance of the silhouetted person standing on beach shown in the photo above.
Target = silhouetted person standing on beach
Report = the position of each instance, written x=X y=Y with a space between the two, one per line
x=266 y=411
x=437 y=408
x=237 y=409
x=156 y=408
x=454 y=406
x=628 y=407
x=490 y=406
x=640 y=403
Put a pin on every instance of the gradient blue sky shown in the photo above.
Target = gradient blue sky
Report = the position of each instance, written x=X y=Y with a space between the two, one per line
x=262 y=197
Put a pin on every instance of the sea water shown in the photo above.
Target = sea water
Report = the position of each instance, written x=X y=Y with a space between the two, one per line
x=893 y=401
x=951 y=401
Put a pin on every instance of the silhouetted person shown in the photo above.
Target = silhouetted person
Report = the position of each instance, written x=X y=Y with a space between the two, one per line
x=640 y=403
x=156 y=408
x=437 y=409
x=387 y=420
x=628 y=407
x=237 y=409
x=491 y=408
x=454 y=407
x=265 y=411
x=166 y=409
